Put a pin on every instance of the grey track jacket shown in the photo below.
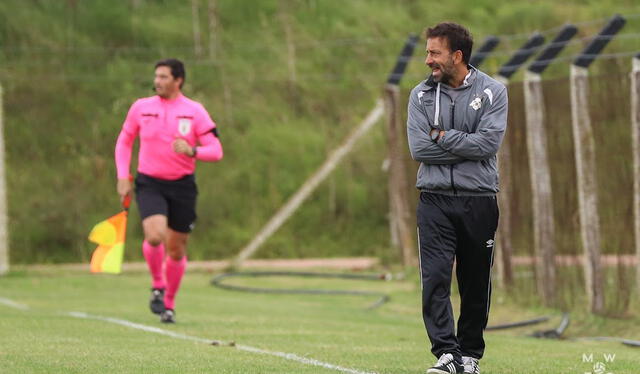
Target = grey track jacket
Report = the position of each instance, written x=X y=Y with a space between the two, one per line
x=464 y=161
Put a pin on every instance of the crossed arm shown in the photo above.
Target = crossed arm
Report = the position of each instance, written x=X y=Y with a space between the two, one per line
x=454 y=146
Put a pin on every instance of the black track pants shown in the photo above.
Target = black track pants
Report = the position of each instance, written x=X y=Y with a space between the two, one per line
x=460 y=228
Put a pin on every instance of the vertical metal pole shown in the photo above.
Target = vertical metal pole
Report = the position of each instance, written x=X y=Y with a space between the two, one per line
x=4 y=235
x=635 y=144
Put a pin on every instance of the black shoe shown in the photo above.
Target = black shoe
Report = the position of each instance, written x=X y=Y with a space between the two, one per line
x=156 y=303
x=168 y=316
x=446 y=365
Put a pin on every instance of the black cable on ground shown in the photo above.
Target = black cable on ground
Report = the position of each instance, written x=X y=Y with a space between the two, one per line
x=517 y=324
x=564 y=323
x=382 y=298
x=554 y=333
x=629 y=342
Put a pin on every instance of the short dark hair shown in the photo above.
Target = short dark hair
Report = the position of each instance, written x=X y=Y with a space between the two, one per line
x=458 y=37
x=176 y=66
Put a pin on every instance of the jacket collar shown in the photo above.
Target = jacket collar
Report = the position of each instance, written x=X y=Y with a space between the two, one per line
x=430 y=83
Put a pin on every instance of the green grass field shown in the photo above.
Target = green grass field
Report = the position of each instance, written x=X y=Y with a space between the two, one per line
x=336 y=330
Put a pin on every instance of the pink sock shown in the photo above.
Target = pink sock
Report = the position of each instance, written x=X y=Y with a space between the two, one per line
x=174 y=270
x=154 y=257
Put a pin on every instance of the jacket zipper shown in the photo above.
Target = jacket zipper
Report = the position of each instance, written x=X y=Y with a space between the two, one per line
x=453 y=186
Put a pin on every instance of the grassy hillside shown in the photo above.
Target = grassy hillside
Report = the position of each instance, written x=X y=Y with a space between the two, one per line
x=284 y=80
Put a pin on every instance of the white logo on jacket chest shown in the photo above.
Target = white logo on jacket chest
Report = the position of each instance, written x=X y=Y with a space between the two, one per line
x=476 y=103
x=184 y=126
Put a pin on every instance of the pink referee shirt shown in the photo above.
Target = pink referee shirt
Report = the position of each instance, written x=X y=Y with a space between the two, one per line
x=159 y=122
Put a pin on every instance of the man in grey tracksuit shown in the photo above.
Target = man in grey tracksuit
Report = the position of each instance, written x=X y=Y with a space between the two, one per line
x=456 y=122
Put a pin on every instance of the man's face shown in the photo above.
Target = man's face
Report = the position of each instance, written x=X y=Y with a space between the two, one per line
x=440 y=59
x=165 y=84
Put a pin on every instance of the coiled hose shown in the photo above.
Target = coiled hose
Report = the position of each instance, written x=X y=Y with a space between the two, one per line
x=382 y=298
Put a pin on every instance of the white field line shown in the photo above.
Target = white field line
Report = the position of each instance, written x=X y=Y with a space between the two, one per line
x=304 y=360
x=175 y=335
x=138 y=326
x=13 y=304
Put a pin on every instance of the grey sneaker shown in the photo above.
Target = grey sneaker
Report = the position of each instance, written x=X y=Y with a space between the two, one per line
x=446 y=365
x=168 y=316
x=471 y=365
x=156 y=302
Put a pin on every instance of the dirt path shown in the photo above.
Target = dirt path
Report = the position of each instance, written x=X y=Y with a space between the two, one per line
x=342 y=263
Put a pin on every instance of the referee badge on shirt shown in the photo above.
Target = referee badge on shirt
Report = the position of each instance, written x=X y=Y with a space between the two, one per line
x=184 y=126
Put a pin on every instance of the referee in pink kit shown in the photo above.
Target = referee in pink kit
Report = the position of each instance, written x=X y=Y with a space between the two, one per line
x=174 y=132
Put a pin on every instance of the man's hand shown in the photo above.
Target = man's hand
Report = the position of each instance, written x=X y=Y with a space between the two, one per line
x=124 y=188
x=181 y=146
x=436 y=134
